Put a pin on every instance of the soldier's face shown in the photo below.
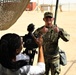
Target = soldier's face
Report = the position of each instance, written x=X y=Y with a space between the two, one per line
x=48 y=21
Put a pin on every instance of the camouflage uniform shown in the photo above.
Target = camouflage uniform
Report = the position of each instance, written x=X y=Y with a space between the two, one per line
x=51 y=49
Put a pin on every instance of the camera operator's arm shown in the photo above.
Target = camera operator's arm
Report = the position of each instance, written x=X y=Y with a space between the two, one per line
x=40 y=56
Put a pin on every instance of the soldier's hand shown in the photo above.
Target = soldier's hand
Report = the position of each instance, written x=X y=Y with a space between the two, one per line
x=56 y=29
x=44 y=29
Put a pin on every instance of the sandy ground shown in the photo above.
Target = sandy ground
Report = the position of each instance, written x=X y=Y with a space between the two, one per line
x=66 y=20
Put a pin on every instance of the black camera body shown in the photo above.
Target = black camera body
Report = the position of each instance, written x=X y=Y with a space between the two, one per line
x=29 y=42
x=28 y=39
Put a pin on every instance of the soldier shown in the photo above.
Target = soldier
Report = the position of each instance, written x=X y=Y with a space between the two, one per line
x=51 y=34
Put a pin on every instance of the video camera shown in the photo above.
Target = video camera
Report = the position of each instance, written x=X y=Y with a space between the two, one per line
x=29 y=42
x=28 y=39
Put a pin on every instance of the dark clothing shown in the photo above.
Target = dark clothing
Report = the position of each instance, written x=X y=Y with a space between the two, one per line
x=31 y=54
x=30 y=46
x=29 y=41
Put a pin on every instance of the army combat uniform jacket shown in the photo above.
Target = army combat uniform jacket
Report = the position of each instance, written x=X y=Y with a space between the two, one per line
x=50 y=40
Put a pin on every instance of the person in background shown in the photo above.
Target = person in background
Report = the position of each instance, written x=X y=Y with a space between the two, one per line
x=10 y=61
x=29 y=43
x=51 y=35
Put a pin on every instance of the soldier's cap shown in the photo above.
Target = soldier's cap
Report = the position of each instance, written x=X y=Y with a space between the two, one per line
x=48 y=14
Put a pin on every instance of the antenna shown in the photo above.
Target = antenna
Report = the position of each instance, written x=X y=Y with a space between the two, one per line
x=56 y=12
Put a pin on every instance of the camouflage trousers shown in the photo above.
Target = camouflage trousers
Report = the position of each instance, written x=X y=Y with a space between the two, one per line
x=53 y=66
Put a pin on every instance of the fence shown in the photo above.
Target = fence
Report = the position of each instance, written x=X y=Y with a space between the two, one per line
x=61 y=7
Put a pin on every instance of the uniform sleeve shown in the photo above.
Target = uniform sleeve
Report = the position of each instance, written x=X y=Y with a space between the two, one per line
x=38 y=32
x=64 y=35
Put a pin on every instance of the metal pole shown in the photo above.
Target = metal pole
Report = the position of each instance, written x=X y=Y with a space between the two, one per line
x=37 y=5
x=56 y=12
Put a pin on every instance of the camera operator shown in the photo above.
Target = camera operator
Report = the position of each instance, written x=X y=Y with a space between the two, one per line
x=29 y=43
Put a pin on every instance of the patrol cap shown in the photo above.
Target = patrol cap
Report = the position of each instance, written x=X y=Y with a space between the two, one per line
x=48 y=14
